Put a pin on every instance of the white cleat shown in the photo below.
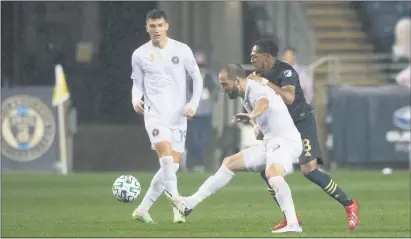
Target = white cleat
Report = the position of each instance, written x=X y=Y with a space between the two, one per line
x=179 y=204
x=289 y=228
x=178 y=218
x=143 y=217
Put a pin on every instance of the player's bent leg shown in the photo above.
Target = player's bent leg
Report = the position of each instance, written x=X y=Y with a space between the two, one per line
x=141 y=213
x=219 y=180
x=326 y=183
x=214 y=183
x=156 y=188
x=280 y=152
x=308 y=162
x=283 y=222
x=275 y=174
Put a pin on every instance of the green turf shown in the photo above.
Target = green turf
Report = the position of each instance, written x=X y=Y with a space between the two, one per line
x=81 y=205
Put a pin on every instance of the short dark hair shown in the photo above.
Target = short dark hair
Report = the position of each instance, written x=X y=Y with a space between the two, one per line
x=156 y=14
x=267 y=46
x=292 y=49
x=235 y=71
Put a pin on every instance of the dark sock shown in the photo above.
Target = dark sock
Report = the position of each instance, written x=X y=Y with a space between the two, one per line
x=325 y=182
x=270 y=190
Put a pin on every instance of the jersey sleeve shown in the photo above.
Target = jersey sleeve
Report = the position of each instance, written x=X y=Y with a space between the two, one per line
x=193 y=70
x=190 y=63
x=137 y=77
x=288 y=77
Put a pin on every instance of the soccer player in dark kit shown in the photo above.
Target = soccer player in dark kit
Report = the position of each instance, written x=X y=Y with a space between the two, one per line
x=283 y=79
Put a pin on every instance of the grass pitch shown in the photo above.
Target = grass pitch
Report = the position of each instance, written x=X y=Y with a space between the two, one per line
x=81 y=205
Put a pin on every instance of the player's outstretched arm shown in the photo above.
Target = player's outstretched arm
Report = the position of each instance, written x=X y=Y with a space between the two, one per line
x=191 y=67
x=137 y=90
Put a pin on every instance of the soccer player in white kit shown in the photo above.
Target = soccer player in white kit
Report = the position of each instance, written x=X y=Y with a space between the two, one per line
x=282 y=144
x=159 y=74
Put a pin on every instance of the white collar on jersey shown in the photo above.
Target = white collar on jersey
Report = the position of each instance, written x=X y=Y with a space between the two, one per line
x=169 y=40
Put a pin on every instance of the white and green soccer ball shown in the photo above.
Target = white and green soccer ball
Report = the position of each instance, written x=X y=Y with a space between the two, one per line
x=126 y=188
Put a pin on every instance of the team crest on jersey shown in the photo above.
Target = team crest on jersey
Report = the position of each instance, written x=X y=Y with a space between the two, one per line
x=155 y=132
x=288 y=73
x=151 y=57
x=175 y=60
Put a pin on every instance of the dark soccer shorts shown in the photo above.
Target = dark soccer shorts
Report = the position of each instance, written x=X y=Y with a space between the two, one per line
x=311 y=147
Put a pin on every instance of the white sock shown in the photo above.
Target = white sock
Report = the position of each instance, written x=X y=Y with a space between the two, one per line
x=284 y=198
x=169 y=175
x=214 y=183
x=155 y=190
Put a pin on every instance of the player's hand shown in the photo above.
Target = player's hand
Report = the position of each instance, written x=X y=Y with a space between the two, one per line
x=189 y=113
x=255 y=77
x=139 y=108
x=241 y=118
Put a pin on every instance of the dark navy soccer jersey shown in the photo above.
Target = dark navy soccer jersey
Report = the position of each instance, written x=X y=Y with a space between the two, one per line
x=282 y=74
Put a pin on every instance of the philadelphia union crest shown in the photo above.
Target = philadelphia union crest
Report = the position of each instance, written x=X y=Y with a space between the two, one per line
x=28 y=128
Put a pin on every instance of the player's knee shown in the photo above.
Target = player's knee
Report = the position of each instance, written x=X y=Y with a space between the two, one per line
x=274 y=170
x=308 y=167
x=233 y=163
x=228 y=162
x=164 y=149
x=176 y=157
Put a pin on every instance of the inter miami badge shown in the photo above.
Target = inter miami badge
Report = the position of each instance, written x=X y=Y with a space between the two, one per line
x=155 y=132
x=175 y=60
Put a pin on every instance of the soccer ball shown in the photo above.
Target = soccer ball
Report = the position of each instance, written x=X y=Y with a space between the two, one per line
x=126 y=188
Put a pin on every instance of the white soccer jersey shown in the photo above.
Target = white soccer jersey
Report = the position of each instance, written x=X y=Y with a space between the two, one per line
x=160 y=76
x=276 y=121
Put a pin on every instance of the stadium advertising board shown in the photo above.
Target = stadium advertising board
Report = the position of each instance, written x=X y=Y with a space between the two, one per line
x=369 y=125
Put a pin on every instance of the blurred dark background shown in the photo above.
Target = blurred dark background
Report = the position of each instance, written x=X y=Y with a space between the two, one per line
x=335 y=43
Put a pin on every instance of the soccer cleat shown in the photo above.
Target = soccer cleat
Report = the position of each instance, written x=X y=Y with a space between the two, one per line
x=283 y=223
x=288 y=228
x=178 y=218
x=178 y=203
x=353 y=214
x=143 y=217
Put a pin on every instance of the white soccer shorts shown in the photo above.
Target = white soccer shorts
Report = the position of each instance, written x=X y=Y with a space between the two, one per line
x=277 y=150
x=158 y=132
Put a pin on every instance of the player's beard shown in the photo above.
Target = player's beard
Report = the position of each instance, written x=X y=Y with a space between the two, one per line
x=233 y=94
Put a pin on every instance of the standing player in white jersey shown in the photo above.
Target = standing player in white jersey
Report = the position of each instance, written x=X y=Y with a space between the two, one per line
x=282 y=143
x=159 y=74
